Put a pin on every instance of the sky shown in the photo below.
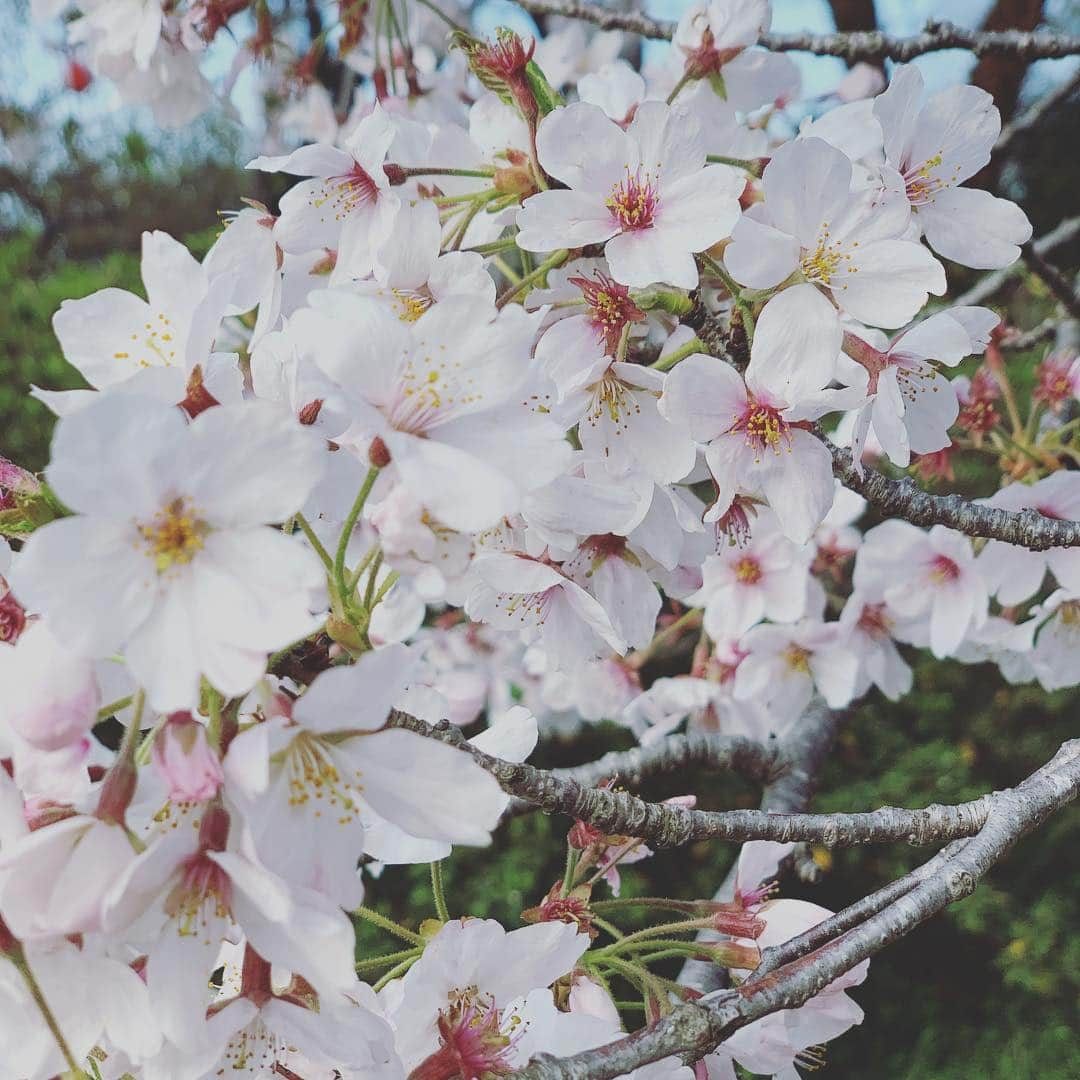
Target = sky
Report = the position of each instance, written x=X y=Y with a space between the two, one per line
x=32 y=58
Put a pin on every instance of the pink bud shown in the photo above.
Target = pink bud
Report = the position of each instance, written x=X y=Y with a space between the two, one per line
x=186 y=761
x=50 y=696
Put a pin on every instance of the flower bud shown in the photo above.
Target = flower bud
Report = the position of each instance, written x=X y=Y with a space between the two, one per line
x=51 y=696
x=186 y=761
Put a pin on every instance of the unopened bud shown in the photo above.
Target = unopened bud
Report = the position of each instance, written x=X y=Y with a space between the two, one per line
x=197 y=398
x=395 y=173
x=378 y=453
x=310 y=412
x=185 y=760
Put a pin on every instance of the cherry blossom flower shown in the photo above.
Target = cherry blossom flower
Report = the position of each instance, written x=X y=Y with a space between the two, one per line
x=755 y=432
x=645 y=193
x=1013 y=573
x=931 y=151
x=910 y=405
x=929 y=578
x=869 y=627
x=513 y=592
x=848 y=243
x=1058 y=380
x=309 y=781
x=167 y=556
x=439 y=399
x=346 y=202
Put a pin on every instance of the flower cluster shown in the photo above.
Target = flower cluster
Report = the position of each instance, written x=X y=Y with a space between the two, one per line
x=514 y=408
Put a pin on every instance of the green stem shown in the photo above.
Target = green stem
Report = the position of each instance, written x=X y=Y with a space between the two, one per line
x=493 y=245
x=372 y=963
x=427 y=170
x=114 y=707
x=361 y=566
x=666 y=363
x=678 y=87
x=389 y=582
x=47 y=1014
x=369 y=590
x=438 y=892
x=506 y=269
x=613 y=930
x=735 y=289
x=748 y=164
x=315 y=542
x=391 y=927
x=527 y=282
x=645 y=936
x=394 y=972
x=572 y=857
x=347 y=528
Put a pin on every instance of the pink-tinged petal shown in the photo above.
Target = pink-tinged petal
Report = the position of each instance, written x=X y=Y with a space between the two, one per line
x=558 y=219
x=358 y=697
x=948 y=336
x=957 y=130
x=897 y=110
x=760 y=256
x=950 y=618
x=888 y=282
x=757 y=77
x=796 y=345
x=670 y=146
x=430 y=790
x=701 y=209
x=798 y=484
x=319 y=159
x=229 y=440
x=930 y=410
x=90 y=581
x=644 y=256
x=513 y=574
x=581 y=146
x=806 y=188
x=974 y=228
x=703 y=395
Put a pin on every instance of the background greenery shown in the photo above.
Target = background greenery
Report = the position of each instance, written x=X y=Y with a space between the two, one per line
x=989 y=990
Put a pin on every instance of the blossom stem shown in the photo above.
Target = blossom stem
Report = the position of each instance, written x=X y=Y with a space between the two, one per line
x=643 y=936
x=572 y=857
x=19 y=960
x=678 y=87
x=389 y=582
x=386 y=960
x=373 y=573
x=492 y=246
x=361 y=566
x=507 y=270
x=431 y=170
x=529 y=280
x=733 y=287
x=438 y=892
x=442 y=15
x=611 y=928
x=394 y=972
x=666 y=363
x=347 y=529
x=391 y=927
x=753 y=167
x=688 y=619
x=315 y=542
x=114 y=707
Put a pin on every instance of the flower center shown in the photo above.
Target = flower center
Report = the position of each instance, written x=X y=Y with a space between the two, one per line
x=634 y=202
x=174 y=536
x=822 y=264
x=943 y=570
x=314 y=778
x=473 y=1042
x=748 y=571
x=410 y=305
x=610 y=307
x=203 y=892
x=920 y=183
x=798 y=659
x=341 y=195
x=874 y=622
x=613 y=398
x=764 y=427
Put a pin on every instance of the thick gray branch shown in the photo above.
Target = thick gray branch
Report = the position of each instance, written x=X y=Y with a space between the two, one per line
x=852 y=46
x=694 y=1029
x=905 y=499
x=754 y=760
x=619 y=813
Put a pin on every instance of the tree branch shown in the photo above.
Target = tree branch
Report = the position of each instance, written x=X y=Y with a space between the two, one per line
x=904 y=499
x=754 y=760
x=1032 y=115
x=663 y=825
x=858 y=45
x=694 y=1029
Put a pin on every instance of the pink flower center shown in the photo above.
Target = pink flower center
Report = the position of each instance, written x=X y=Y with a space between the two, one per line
x=922 y=184
x=202 y=893
x=634 y=202
x=473 y=1045
x=748 y=570
x=874 y=622
x=341 y=195
x=763 y=426
x=610 y=307
x=943 y=570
